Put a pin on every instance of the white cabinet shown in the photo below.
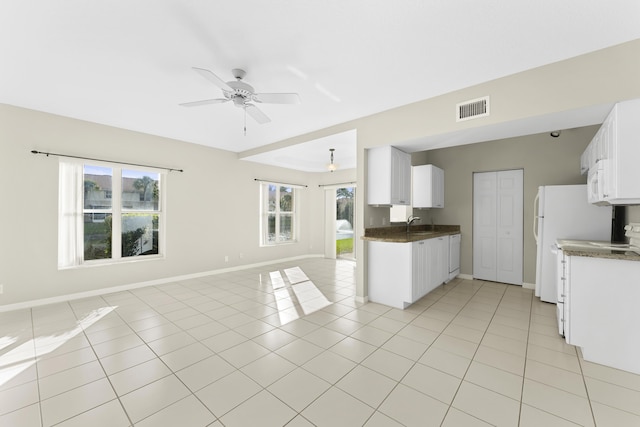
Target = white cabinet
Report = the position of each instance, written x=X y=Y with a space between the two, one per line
x=454 y=256
x=428 y=187
x=389 y=176
x=419 y=269
x=612 y=157
x=438 y=262
x=401 y=273
x=600 y=310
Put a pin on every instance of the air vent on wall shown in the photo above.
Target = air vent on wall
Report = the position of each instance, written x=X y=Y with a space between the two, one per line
x=472 y=109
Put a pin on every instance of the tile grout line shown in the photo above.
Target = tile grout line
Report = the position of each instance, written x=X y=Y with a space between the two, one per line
x=474 y=353
x=586 y=388
x=35 y=360
x=526 y=353
x=102 y=367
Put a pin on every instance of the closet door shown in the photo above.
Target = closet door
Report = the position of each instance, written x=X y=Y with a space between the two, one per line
x=484 y=226
x=509 y=221
x=498 y=226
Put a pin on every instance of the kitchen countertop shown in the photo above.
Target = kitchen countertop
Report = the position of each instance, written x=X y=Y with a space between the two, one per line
x=398 y=233
x=592 y=249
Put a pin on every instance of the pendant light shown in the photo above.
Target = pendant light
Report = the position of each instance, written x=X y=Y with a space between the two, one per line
x=332 y=166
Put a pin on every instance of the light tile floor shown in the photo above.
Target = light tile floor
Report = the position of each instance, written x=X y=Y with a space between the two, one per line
x=289 y=345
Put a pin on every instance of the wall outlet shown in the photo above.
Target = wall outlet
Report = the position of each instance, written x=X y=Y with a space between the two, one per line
x=241 y=255
x=370 y=221
x=384 y=221
x=1 y=289
x=226 y=258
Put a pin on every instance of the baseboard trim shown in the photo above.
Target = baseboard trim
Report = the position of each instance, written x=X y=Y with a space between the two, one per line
x=528 y=285
x=465 y=276
x=362 y=300
x=130 y=286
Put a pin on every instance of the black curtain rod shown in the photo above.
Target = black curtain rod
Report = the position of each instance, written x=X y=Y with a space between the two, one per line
x=276 y=182
x=337 y=183
x=108 y=161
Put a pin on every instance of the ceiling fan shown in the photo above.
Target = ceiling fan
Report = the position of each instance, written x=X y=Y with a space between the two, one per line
x=242 y=95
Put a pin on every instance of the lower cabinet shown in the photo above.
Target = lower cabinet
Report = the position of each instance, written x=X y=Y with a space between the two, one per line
x=600 y=310
x=401 y=273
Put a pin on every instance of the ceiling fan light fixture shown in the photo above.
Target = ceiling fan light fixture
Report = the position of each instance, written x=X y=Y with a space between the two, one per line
x=332 y=166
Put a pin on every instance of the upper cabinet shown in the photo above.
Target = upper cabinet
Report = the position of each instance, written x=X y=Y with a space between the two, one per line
x=389 y=176
x=612 y=158
x=428 y=187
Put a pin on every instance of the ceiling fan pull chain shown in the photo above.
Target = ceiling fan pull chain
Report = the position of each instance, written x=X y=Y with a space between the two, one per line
x=245 y=121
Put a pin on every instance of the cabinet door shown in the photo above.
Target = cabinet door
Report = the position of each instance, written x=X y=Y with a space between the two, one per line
x=388 y=176
x=379 y=176
x=439 y=262
x=438 y=188
x=419 y=270
x=454 y=256
x=428 y=187
x=400 y=177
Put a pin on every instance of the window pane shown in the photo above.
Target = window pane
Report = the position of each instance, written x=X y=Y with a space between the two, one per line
x=286 y=226
x=140 y=190
x=286 y=199
x=271 y=197
x=139 y=234
x=97 y=236
x=271 y=228
x=97 y=187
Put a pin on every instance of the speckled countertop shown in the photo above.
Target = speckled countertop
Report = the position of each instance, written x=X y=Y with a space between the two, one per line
x=597 y=250
x=398 y=233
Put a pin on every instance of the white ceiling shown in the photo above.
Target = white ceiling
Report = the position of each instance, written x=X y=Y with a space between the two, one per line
x=128 y=63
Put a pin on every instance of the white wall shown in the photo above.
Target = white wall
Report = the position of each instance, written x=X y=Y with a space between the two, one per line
x=212 y=208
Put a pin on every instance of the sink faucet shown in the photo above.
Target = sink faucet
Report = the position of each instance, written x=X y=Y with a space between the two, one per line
x=410 y=221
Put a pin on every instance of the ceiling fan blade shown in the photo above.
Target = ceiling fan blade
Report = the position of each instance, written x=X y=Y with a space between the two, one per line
x=204 y=102
x=213 y=78
x=257 y=114
x=277 y=98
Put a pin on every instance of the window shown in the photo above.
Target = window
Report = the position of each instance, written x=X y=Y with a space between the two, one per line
x=108 y=214
x=278 y=214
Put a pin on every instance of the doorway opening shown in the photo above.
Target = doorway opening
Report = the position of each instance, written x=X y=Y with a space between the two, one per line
x=345 y=222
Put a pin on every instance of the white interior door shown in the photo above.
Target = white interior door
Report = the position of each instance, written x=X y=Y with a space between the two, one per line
x=498 y=218
x=484 y=226
x=510 y=218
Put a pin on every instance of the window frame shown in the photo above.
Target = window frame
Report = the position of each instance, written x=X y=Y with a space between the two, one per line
x=265 y=213
x=117 y=213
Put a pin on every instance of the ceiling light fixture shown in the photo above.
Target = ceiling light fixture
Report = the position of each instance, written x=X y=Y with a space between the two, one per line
x=555 y=134
x=332 y=166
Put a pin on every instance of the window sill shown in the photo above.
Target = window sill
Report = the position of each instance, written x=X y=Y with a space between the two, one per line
x=271 y=245
x=103 y=263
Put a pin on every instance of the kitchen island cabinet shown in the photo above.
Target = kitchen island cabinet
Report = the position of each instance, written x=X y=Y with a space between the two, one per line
x=402 y=273
x=599 y=312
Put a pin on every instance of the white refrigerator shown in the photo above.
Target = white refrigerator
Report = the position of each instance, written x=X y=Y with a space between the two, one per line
x=563 y=212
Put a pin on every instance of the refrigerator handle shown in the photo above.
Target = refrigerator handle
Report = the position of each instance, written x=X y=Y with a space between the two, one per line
x=535 y=216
